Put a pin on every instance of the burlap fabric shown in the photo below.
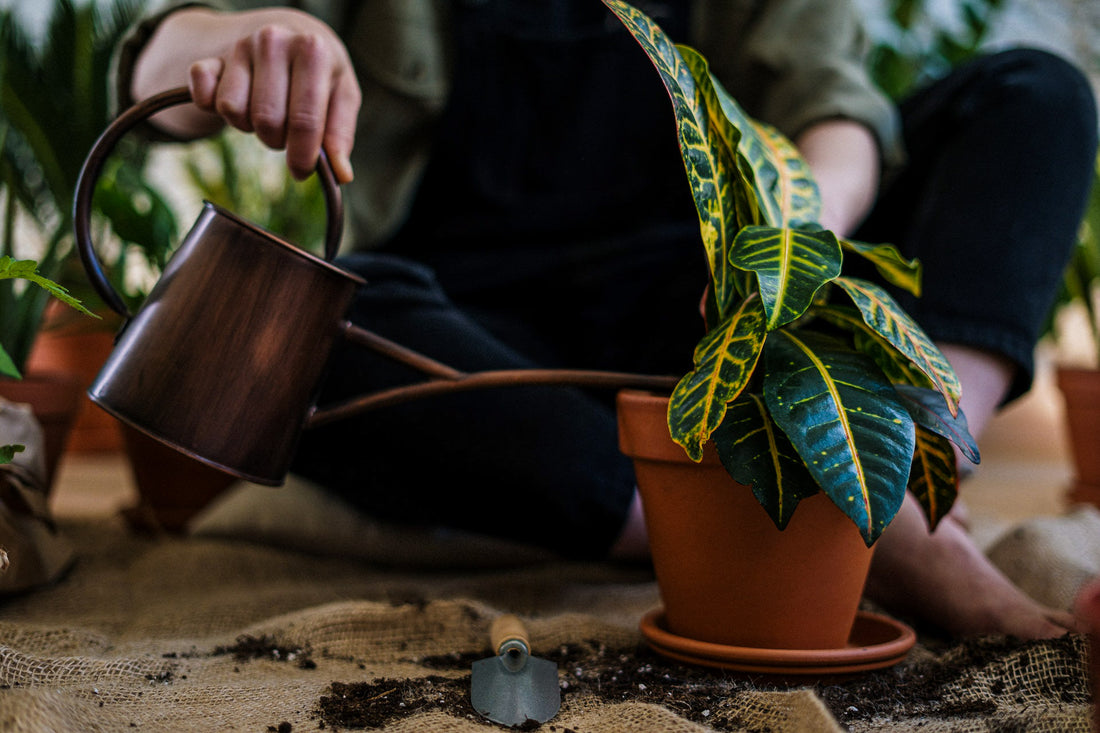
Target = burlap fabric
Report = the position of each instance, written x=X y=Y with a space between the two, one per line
x=208 y=633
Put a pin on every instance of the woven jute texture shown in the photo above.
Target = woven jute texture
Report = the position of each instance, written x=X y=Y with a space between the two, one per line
x=161 y=633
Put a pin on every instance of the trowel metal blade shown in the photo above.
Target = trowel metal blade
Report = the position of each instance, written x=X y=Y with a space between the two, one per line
x=515 y=697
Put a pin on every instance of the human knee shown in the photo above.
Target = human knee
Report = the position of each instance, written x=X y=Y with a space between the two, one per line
x=393 y=280
x=1042 y=84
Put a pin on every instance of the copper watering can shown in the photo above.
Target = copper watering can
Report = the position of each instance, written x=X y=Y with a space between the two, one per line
x=224 y=359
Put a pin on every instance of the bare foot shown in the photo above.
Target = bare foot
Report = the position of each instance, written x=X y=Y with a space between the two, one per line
x=945 y=579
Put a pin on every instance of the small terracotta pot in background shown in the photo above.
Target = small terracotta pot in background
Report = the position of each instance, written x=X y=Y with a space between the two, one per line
x=173 y=487
x=726 y=574
x=1081 y=391
x=81 y=353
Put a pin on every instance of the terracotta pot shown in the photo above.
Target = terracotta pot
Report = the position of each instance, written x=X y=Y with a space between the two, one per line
x=173 y=486
x=54 y=398
x=1081 y=390
x=726 y=574
x=81 y=353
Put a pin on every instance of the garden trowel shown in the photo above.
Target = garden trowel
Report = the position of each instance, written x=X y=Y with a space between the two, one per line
x=513 y=687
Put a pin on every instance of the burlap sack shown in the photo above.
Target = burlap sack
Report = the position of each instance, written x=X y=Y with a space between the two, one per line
x=200 y=634
x=32 y=550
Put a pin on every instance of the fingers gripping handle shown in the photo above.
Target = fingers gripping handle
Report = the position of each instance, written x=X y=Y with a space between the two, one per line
x=93 y=166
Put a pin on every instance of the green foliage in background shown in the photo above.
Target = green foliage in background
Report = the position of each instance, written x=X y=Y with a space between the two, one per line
x=235 y=171
x=54 y=103
x=911 y=44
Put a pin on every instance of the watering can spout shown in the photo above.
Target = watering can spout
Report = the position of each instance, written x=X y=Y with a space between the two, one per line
x=225 y=357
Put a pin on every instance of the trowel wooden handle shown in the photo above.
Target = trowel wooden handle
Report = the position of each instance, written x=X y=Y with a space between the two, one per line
x=505 y=628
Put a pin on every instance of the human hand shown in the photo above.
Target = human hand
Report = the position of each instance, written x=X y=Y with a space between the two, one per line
x=277 y=72
x=289 y=81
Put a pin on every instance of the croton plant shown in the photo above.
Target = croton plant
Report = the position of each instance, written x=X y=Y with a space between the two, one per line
x=807 y=379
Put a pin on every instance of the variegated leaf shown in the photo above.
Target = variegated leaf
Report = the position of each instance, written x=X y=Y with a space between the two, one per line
x=791 y=265
x=846 y=422
x=934 y=477
x=724 y=361
x=929 y=412
x=757 y=453
x=735 y=135
x=784 y=186
x=886 y=258
x=896 y=366
x=793 y=200
x=708 y=145
x=886 y=317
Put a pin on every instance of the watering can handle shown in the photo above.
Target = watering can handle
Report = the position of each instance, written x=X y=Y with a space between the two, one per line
x=93 y=166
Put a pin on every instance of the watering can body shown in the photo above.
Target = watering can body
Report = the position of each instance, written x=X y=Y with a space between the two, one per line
x=223 y=359
x=225 y=356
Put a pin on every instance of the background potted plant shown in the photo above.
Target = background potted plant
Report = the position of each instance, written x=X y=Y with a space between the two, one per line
x=811 y=388
x=26 y=270
x=1080 y=385
x=54 y=102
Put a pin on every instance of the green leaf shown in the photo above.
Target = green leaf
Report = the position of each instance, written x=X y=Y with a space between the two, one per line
x=731 y=137
x=793 y=199
x=137 y=212
x=26 y=269
x=846 y=422
x=708 y=145
x=756 y=453
x=886 y=258
x=7 y=366
x=929 y=412
x=886 y=317
x=934 y=477
x=896 y=366
x=791 y=265
x=7 y=452
x=724 y=361
x=784 y=187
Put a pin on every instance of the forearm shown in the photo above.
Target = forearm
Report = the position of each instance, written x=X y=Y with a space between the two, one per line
x=844 y=158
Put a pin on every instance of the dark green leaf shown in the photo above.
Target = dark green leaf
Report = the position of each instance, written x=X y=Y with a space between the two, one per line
x=887 y=318
x=896 y=366
x=791 y=265
x=724 y=361
x=708 y=145
x=846 y=422
x=756 y=453
x=929 y=412
x=933 y=479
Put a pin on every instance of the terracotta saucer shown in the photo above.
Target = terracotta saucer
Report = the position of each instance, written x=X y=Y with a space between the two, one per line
x=876 y=642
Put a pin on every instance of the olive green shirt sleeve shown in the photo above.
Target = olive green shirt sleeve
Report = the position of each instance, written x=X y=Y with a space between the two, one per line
x=792 y=63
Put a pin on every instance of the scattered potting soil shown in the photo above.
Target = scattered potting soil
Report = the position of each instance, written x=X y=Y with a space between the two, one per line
x=951 y=686
x=248 y=647
x=374 y=704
